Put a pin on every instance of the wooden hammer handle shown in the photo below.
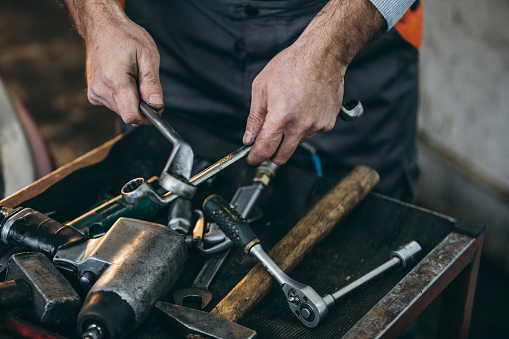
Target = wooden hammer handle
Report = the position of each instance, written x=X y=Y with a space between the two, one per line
x=301 y=239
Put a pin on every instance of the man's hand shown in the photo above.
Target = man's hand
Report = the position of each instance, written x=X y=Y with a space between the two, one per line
x=300 y=91
x=295 y=96
x=122 y=59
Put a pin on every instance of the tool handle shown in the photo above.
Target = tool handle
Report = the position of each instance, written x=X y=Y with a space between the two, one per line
x=230 y=222
x=31 y=230
x=311 y=229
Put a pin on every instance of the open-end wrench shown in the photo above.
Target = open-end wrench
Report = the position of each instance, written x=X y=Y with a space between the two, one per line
x=309 y=307
x=177 y=171
x=199 y=290
x=244 y=201
x=137 y=189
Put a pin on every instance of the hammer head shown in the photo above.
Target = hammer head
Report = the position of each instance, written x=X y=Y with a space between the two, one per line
x=186 y=321
x=54 y=302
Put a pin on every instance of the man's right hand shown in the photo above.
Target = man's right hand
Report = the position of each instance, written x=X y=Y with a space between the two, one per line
x=122 y=59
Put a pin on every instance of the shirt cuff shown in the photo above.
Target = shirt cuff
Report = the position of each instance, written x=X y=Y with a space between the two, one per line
x=392 y=10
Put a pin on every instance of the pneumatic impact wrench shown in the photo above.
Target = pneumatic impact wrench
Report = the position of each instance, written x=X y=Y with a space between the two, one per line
x=125 y=271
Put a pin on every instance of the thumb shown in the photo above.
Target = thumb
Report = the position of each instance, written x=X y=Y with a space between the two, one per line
x=148 y=82
x=256 y=117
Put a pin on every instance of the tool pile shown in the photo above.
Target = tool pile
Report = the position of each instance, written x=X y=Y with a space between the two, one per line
x=107 y=270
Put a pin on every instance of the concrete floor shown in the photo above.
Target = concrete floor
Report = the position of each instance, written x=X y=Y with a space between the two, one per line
x=42 y=61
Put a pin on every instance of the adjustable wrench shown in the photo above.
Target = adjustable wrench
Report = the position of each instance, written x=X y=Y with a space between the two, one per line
x=309 y=307
x=244 y=200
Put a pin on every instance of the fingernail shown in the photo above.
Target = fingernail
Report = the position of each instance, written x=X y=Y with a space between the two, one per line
x=155 y=99
x=248 y=138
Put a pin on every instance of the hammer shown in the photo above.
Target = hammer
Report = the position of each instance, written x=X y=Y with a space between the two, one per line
x=287 y=254
x=40 y=289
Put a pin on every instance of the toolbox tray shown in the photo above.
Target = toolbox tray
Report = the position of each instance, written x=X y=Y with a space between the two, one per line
x=358 y=244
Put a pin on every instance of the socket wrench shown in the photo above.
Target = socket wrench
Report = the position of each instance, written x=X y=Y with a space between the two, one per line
x=244 y=201
x=309 y=307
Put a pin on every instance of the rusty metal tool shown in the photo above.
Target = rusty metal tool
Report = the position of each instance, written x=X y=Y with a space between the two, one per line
x=199 y=290
x=309 y=307
x=35 y=285
x=312 y=228
x=191 y=323
x=244 y=200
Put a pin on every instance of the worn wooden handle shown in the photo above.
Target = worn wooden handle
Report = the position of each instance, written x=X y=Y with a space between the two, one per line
x=301 y=239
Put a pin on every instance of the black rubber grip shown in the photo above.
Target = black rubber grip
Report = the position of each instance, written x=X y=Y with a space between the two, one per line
x=38 y=232
x=230 y=222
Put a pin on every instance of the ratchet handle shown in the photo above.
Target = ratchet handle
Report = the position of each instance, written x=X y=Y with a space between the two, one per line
x=233 y=225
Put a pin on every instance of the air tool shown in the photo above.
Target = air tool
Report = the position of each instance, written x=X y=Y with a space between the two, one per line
x=125 y=271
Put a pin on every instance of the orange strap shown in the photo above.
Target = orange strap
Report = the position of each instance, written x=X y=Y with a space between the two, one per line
x=122 y=3
x=410 y=26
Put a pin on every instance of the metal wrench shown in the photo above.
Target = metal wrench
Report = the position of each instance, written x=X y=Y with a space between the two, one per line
x=177 y=171
x=199 y=290
x=137 y=189
x=244 y=201
x=309 y=307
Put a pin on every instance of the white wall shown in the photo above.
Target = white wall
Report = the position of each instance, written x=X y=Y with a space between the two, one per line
x=464 y=117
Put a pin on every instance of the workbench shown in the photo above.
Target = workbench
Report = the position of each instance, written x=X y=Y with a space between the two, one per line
x=362 y=241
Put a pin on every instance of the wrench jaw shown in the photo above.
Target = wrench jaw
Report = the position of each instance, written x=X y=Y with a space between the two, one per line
x=138 y=189
x=191 y=295
x=179 y=186
x=177 y=171
x=305 y=303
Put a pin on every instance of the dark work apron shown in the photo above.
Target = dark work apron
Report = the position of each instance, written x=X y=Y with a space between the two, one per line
x=211 y=50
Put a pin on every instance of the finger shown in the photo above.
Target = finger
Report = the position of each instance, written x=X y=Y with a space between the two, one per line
x=257 y=113
x=285 y=150
x=125 y=95
x=148 y=81
x=266 y=144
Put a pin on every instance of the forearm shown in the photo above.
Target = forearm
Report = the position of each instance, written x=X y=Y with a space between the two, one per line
x=342 y=28
x=87 y=14
x=122 y=58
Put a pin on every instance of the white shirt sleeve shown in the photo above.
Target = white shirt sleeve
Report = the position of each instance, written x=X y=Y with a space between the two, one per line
x=392 y=10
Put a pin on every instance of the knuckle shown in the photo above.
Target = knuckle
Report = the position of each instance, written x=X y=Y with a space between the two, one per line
x=93 y=96
x=254 y=119
x=149 y=81
x=280 y=161
x=264 y=151
x=328 y=127
x=130 y=118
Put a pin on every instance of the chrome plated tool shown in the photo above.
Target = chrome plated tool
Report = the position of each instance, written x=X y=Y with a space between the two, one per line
x=309 y=307
x=175 y=175
x=244 y=201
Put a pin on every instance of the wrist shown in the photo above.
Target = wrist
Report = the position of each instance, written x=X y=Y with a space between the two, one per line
x=87 y=16
x=342 y=28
